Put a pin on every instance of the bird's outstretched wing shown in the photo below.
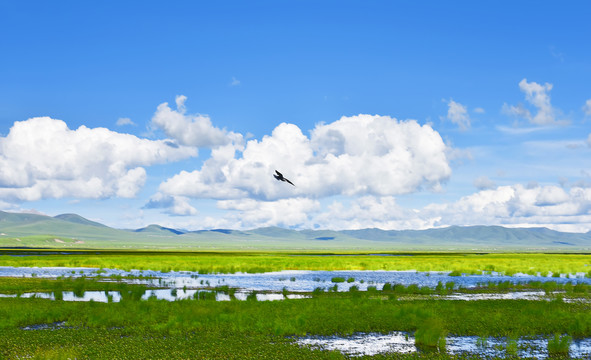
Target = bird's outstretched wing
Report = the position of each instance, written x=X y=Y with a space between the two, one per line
x=279 y=176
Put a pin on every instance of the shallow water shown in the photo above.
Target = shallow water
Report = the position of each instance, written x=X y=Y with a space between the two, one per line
x=400 y=342
x=160 y=294
x=513 y=295
x=180 y=294
x=293 y=281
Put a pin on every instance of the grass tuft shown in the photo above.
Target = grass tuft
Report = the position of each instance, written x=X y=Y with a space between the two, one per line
x=559 y=346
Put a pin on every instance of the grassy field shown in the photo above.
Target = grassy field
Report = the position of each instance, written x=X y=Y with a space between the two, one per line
x=204 y=328
x=251 y=329
x=230 y=262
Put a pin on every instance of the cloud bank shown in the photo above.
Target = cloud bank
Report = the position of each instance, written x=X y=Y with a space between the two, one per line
x=42 y=158
x=358 y=155
x=512 y=206
x=518 y=205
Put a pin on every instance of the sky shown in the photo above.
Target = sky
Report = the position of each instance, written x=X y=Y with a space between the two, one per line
x=384 y=114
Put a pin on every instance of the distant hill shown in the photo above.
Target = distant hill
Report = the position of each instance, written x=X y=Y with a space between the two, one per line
x=33 y=230
x=15 y=219
x=492 y=236
x=74 y=218
x=66 y=225
x=159 y=230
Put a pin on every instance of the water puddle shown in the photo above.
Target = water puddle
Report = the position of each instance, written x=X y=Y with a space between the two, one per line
x=158 y=294
x=400 y=342
x=514 y=295
x=52 y=326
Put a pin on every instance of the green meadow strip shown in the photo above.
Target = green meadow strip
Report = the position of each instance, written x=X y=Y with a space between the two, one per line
x=231 y=262
x=252 y=329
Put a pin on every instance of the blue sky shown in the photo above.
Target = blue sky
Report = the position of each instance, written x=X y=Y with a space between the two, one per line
x=385 y=114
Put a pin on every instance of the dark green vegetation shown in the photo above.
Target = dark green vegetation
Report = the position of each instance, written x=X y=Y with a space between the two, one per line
x=74 y=231
x=204 y=328
x=558 y=346
x=251 y=329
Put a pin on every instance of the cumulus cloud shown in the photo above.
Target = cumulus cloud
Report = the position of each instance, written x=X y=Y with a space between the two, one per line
x=42 y=158
x=518 y=205
x=359 y=155
x=251 y=213
x=537 y=96
x=190 y=129
x=458 y=114
x=370 y=212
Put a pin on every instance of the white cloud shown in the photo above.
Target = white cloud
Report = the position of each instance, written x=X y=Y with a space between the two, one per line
x=191 y=129
x=512 y=206
x=251 y=213
x=458 y=114
x=235 y=82
x=479 y=110
x=359 y=155
x=370 y=212
x=538 y=96
x=42 y=158
x=483 y=183
x=587 y=107
x=124 y=121
x=131 y=182
x=589 y=140
x=518 y=205
x=176 y=205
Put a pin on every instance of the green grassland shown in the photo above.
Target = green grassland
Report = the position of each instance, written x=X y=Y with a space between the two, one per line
x=205 y=329
x=230 y=262
x=250 y=329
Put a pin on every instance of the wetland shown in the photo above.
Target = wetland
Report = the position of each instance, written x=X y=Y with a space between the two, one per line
x=520 y=308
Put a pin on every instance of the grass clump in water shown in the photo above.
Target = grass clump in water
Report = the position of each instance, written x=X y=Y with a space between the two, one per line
x=430 y=336
x=559 y=346
x=511 y=347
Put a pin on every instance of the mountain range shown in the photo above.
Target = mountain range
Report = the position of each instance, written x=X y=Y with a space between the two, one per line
x=72 y=230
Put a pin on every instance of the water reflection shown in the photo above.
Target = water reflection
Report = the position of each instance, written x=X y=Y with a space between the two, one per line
x=157 y=294
x=401 y=342
x=292 y=281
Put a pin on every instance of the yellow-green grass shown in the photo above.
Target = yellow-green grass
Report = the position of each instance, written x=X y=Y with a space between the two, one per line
x=231 y=262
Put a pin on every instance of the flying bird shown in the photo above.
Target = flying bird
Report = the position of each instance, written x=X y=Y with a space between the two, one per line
x=279 y=177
